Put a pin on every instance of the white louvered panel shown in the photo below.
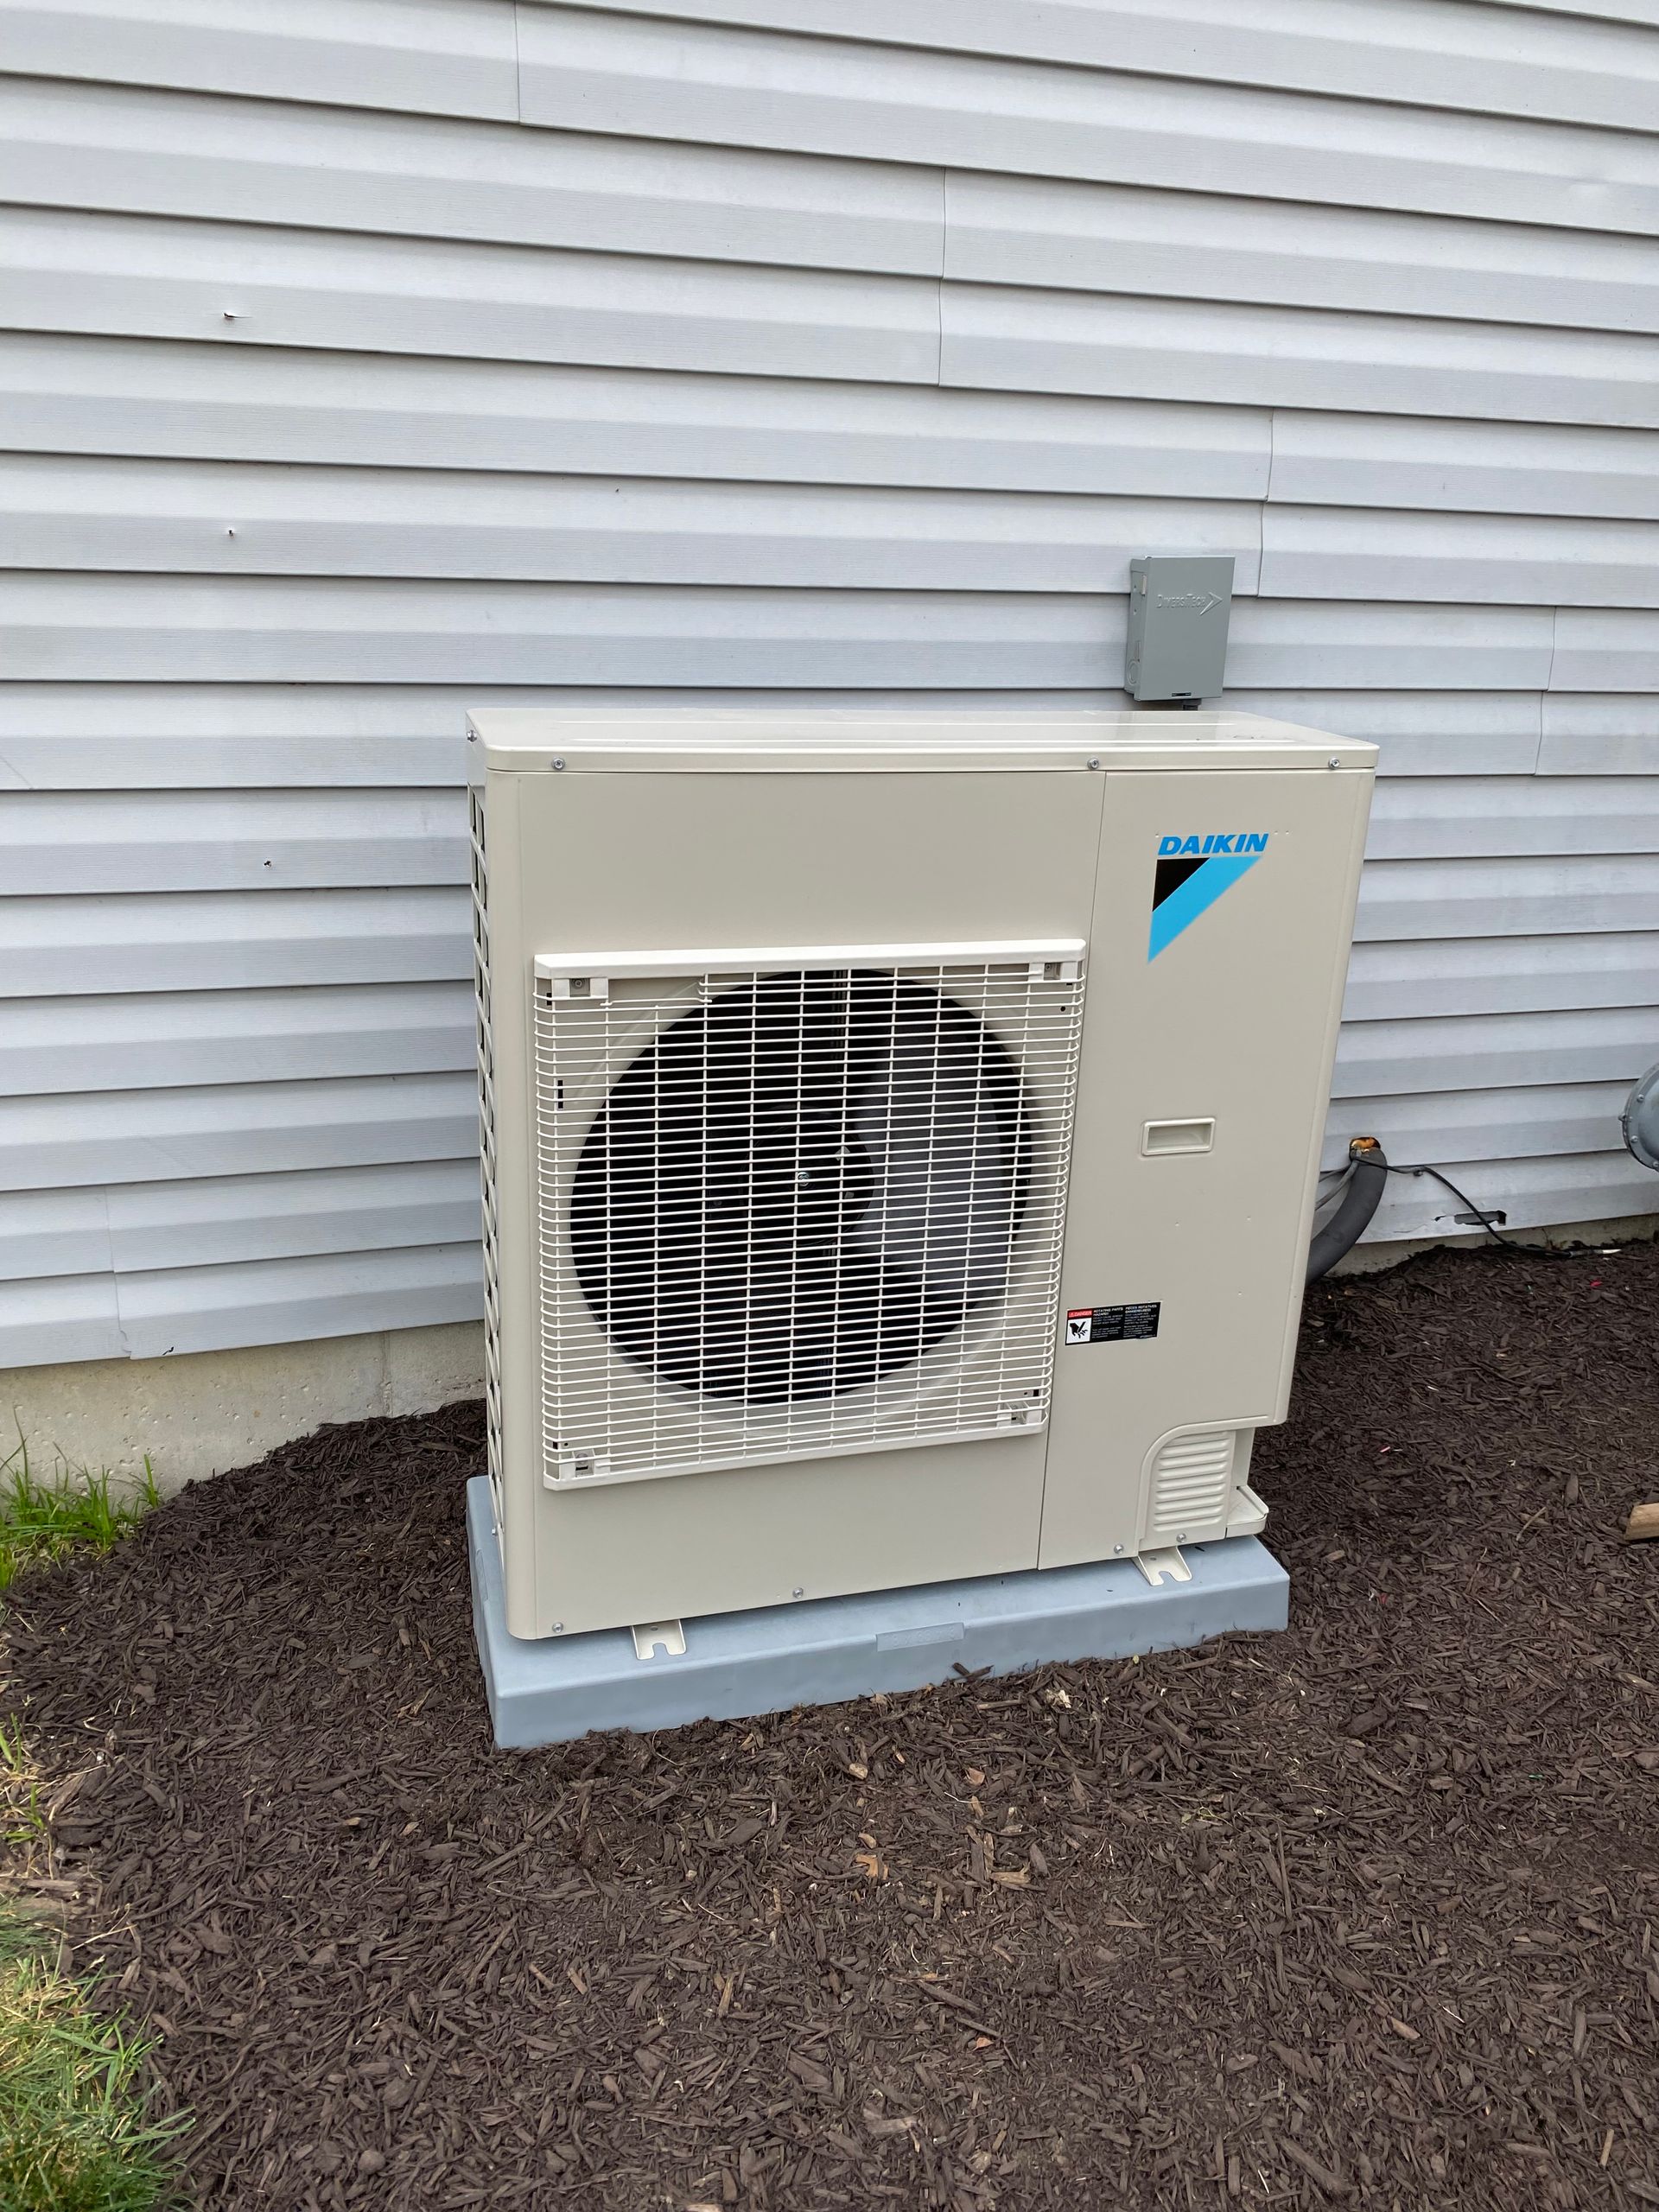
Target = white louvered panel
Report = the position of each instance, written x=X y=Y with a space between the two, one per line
x=1444 y=1127
x=52 y=1141
x=1601 y=1186
x=1509 y=468
x=1490 y=1051
x=242 y=518
x=452 y=57
x=156 y=276
x=1191 y=1485
x=1475 y=59
x=145 y=152
x=93 y=944
x=1502 y=975
x=596 y=70
x=1462 y=817
x=175 y=841
x=140 y=1040
x=1195 y=245
x=484 y=1013
x=1331 y=553
x=1614 y=650
x=1002 y=337
x=1420 y=899
x=799 y=1202
x=74 y=394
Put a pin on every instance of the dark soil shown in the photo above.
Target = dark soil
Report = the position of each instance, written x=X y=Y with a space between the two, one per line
x=1362 y=1912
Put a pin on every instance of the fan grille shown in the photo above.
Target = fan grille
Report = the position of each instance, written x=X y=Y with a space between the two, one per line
x=793 y=1209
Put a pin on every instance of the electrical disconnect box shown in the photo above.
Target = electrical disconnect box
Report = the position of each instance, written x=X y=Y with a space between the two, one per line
x=1178 y=608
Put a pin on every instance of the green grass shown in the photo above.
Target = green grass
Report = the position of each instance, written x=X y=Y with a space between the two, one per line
x=76 y=2134
x=73 y=2132
x=44 y=1520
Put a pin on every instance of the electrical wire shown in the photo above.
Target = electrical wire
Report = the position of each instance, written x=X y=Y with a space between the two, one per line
x=1462 y=1197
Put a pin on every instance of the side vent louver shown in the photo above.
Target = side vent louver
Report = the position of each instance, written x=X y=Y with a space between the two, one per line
x=1191 y=1485
x=487 y=1147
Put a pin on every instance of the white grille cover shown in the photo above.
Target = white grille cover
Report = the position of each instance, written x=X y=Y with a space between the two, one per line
x=1191 y=1484
x=799 y=1201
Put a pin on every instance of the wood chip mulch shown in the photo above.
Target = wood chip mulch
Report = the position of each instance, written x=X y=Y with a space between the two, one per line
x=1361 y=1914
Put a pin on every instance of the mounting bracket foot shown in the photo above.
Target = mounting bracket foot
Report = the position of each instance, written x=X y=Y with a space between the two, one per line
x=1161 y=1567
x=652 y=1635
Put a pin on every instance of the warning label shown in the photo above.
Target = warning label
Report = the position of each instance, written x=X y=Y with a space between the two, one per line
x=1110 y=1324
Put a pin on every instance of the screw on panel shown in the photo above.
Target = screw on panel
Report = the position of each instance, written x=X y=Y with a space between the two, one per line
x=557 y=1629
x=1335 y=761
x=1095 y=763
x=797 y=1592
x=558 y=764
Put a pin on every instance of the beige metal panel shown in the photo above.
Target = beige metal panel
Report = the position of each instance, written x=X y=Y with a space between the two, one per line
x=157 y=276
x=600 y=71
x=1433 y=53
x=452 y=57
x=1007 y=337
x=1510 y=469
x=1199 y=246
x=229 y=161
x=1518 y=560
x=71 y=394
x=1235 y=1021
x=242 y=518
x=595 y=861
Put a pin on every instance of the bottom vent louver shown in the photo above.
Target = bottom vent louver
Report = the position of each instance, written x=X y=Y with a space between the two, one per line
x=1191 y=1484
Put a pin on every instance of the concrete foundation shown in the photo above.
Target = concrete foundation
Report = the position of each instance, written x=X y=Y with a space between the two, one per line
x=201 y=1412
x=828 y=1649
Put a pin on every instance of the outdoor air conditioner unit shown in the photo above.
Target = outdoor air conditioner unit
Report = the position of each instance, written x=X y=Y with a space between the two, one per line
x=900 y=1136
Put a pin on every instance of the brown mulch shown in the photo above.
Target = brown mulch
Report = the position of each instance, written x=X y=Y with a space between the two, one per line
x=1362 y=1913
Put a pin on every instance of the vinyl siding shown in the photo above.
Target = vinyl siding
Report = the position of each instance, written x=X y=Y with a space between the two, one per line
x=363 y=360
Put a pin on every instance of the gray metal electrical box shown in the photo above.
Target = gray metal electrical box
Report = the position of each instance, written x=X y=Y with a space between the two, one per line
x=1178 y=608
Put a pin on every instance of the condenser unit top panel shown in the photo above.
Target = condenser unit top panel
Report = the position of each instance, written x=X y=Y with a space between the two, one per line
x=536 y=740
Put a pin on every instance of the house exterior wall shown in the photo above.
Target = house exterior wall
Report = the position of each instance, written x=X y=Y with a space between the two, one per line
x=367 y=360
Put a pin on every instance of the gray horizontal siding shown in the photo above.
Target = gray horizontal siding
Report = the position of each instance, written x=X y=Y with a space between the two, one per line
x=380 y=360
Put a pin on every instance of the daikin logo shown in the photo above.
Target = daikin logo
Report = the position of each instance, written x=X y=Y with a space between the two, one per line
x=1191 y=873
x=1234 y=841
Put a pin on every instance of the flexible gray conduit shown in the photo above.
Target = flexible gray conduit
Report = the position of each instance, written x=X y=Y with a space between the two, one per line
x=1368 y=1171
